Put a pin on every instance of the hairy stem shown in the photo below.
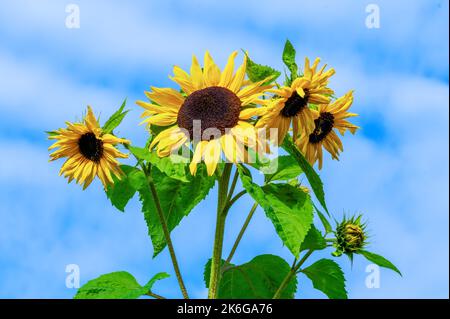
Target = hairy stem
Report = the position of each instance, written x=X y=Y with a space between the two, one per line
x=291 y=273
x=220 y=230
x=242 y=231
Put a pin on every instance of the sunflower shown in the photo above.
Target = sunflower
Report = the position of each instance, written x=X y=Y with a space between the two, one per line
x=351 y=236
x=89 y=152
x=290 y=103
x=328 y=117
x=219 y=102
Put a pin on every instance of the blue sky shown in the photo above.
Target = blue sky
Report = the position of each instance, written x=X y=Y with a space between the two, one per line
x=395 y=170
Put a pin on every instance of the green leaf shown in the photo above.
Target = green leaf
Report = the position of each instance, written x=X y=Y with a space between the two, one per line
x=174 y=166
x=141 y=153
x=257 y=72
x=51 y=133
x=327 y=276
x=116 y=285
x=283 y=167
x=177 y=199
x=314 y=240
x=326 y=224
x=289 y=209
x=124 y=189
x=379 y=260
x=115 y=119
x=257 y=279
x=313 y=178
x=289 y=59
x=155 y=278
x=207 y=271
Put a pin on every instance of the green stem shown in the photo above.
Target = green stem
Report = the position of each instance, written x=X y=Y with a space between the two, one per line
x=166 y=231
x=233 y=185
x=291 y=273
x=220 y=230
x=234 y=199
x=156 y=296
x=242 y=231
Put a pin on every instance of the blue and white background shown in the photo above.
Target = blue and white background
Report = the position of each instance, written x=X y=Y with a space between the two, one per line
x=395 y=170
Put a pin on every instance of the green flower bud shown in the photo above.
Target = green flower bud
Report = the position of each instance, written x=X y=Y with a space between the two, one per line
x=350 y=236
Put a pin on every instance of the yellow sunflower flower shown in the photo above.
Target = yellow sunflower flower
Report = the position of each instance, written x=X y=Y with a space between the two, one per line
x=328 y=117
x=89 y=152
x=219 y=101
x=290 y=103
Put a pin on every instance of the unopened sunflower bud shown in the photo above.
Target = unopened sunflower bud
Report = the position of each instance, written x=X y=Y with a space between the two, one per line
x=350 y=236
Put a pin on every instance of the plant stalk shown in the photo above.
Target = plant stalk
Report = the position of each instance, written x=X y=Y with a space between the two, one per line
x=242 y=231
x=291 y=273
x=156 y=296
x=166 y=232
x=220 y=230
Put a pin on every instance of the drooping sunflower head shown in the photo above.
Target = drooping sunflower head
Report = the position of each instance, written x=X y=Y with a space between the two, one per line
x=327 y=118
x=88 y=150
x=291 y=104
x=351 y=236
x=212 y=110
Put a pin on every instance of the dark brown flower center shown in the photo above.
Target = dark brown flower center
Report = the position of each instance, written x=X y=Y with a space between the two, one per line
x=294 y=104
x=324 y=125
x=91 y=147
x=215 y=107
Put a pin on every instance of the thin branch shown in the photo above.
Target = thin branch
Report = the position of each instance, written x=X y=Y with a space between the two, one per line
x=242 y=231
x=156 y=296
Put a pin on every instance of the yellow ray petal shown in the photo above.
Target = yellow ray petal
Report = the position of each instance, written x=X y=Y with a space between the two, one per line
x=106 y=171
x=164 y=134
x=90 y=119
x=212 y=156
x=318 y=99
x=196 y=74
x=236 y=83
x=300 y=92
x=253 y=89
x=167 y=97
x=211 y=72
x=198 y=154
x=320 y=156
x=283 y=129
x=111 y=139
x=164 y=119
x=229 y=147
x=251 y=112
x=151 y=109
x=227 y=74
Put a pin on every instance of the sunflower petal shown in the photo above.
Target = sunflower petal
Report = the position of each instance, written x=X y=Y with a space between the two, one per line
x=238 y=79
x=227 y=75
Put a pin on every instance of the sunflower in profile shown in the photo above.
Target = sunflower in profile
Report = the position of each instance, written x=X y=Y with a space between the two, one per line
x=327 y=118
x=291 y=103
x=212 y=101
x=89 y=152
